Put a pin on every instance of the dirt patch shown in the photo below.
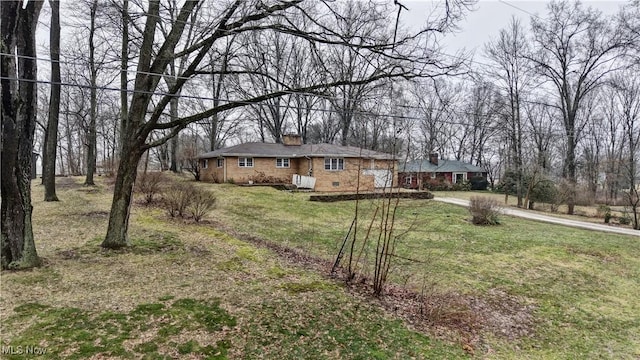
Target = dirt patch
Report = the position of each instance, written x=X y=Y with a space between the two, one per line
x=96 y=214
x=451 y=316
x=67 y=182
x=70 y=254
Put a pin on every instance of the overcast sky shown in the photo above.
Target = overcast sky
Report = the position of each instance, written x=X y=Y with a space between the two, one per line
x=488 y=18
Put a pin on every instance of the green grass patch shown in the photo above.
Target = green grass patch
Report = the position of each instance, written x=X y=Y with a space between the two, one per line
x=296 y=288
x=78 y=334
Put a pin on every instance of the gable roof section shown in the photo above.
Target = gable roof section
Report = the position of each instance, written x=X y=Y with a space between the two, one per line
x=444 y=166
x=256 y=149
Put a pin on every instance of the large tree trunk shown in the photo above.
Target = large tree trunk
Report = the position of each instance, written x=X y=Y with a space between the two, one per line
x=51 y=134
x=19 y=105
x=122 y=196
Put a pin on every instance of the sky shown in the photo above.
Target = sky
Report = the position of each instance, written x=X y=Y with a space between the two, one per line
x=488 y=17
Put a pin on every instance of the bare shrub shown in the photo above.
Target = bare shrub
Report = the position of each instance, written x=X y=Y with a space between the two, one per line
x=201 y=203
x=149 y=184
x=484 y=210
x=584 y=197
x=177 y=198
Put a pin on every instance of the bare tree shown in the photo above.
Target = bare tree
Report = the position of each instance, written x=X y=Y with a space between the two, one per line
x=539 y=126
x=51 y=133
x=146 y=116
x=434 y=102
x=358 y=23
x=627 y=86
x=574 y=49
x=92 y=142
x=18 y=76
x=482 y=113
x=613 y=143
x=269 y=53
x=508 y=54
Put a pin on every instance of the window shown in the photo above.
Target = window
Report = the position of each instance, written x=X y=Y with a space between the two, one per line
x=220 y=163
x=408 y=179
x=433 y=175
x=459 y=177
x=205 y=163
x=282 y=162
x=333 y=164
x=245 y=162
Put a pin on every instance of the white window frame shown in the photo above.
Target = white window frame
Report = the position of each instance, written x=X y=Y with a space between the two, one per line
x=454 y=177
x=245 y=162
x=433 y=175
x=284 y=163
x=205 y=163
x=333 y=164
x=219 y=162
x=408 y=180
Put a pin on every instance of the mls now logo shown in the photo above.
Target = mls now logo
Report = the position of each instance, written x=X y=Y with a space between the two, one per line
x=23 y=350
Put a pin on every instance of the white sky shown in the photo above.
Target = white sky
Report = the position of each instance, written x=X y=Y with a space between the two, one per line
x=489 y=16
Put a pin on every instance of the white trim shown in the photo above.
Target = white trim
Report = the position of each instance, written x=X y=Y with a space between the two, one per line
x=285 y=163
x=454 y=176
x=337 y=165
x=245 y=162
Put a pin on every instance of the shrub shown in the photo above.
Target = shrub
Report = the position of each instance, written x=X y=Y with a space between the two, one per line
x=149 y=184
x=583 y=196
x=201 y=203
x=178 y=197
x=484 y=210
x=461 y=186
x=438 y=184
x=544 y=191
x=604 y=211
x=624 y=219
x=442 y=184
x=478 y=183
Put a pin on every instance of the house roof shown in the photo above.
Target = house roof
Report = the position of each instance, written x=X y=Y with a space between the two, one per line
x=256 y=149
x=444 y=166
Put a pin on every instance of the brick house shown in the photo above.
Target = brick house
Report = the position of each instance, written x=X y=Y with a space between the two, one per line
x=415 y=174
x=320 y=167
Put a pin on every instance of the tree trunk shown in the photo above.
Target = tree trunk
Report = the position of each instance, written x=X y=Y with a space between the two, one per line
x=122 y=196
x=571 y=173
x=91 y=136
x=51 y=134
x=19 y=104
x=124 y=65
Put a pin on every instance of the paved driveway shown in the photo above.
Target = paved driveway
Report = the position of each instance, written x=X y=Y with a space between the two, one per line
x=550 y=219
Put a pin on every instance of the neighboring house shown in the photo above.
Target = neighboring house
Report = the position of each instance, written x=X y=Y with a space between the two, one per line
x=320 y=167
x=414 y=174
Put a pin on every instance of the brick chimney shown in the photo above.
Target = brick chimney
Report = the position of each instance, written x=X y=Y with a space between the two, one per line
x=433 y=158
x=292 y=140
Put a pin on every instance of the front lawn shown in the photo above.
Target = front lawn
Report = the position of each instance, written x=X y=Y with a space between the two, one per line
x=522 y=289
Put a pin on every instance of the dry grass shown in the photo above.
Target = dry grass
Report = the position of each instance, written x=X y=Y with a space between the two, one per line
x=519 y=290
x=124 y=303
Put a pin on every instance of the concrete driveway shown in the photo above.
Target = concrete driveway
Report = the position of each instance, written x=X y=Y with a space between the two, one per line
x=550 y=219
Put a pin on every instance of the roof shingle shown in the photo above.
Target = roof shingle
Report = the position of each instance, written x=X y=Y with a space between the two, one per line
x=256 y=149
